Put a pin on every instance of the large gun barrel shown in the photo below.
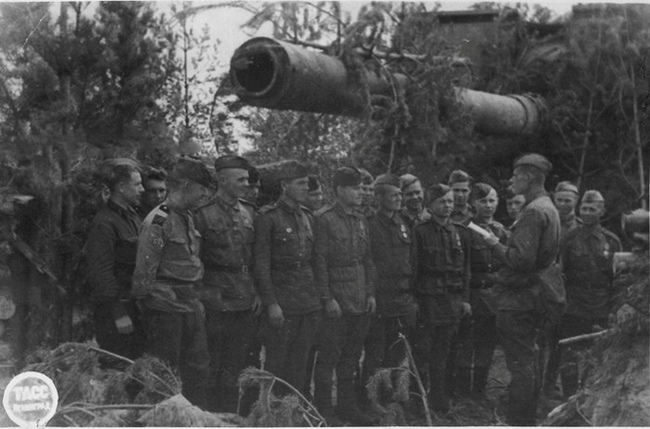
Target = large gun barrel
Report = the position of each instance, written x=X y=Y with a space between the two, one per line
x=278 y=75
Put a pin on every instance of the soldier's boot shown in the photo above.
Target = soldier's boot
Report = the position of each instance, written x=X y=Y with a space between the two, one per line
x=479 y=382
x=438 y=397
x=347 y=402
x=464 y=381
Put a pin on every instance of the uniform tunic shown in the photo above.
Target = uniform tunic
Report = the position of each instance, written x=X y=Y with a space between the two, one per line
x=110 y=257
x=283 y=258
x=343 y=265
x=227 y=253
x=587 y=255
x=441 y=264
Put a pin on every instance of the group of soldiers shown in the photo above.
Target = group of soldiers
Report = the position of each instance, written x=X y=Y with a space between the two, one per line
x=202 y=278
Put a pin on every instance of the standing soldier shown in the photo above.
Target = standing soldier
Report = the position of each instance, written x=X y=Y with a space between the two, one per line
x=228 y=290
x=253 y=190
x=413 y=212
x=587 y=254
x=167 y=268
x=529 y=276
x=344 y=272
x=441 y=266
x=477 y=346
x=565 y=198
x=459 y=181
x=367 y=194
x=155 y=189
x=390 y=241
x=283 y=269
x=514 y=204
x=314 y=201
x=110 y=257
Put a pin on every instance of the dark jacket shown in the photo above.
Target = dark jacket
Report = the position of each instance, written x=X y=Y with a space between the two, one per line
x=484 y=267
x=587 y=255
x=343 y=265
x=530 y=252
x=441 y=265
x=284 y=242
x=390 y=243
x=110 y=256
x=227 y=253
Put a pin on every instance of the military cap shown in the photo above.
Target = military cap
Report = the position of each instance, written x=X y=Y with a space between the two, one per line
x=592 y=196
x=407 y=180
x=366 y=177
x=292 y=169
x=314 y=183
x=253 y=175
x=459 y=176
x=436 y=191
x=192 y=169
x=566 y=187
x=387 y=179
x=481 y=190
x=536 y=160
x=231 y=161
x=346 y=176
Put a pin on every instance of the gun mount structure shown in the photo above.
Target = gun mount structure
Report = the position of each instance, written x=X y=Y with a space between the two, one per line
x=277 y=75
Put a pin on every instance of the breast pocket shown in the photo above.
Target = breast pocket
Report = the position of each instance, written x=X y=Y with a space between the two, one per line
x=177 y=247
x=217 y=237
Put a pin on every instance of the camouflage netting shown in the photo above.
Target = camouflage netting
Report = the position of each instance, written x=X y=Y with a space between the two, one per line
x=617 y=391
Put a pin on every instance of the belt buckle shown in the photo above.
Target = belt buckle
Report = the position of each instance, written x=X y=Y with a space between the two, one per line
x=244 y=269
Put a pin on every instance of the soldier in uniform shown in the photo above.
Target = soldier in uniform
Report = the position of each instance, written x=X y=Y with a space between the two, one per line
x=390 y=241
x=514 y=204
x=284 y=242
x=529 y=274
x=441 y=265
x=413 y=212
x=314 y=200
x=565 y=198
x=228 y=291
x=155 y=189
x=367 y=194
x=253 y=191
x=460 y=182
x=167 y=270
x=110 y=257
x=587 y=254
x=344 y=272
x=477 y=334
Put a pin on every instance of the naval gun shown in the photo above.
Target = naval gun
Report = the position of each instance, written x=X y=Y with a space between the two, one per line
x=278 y=75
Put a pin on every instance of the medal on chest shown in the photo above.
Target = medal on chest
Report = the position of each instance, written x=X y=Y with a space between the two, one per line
x=402 y=228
